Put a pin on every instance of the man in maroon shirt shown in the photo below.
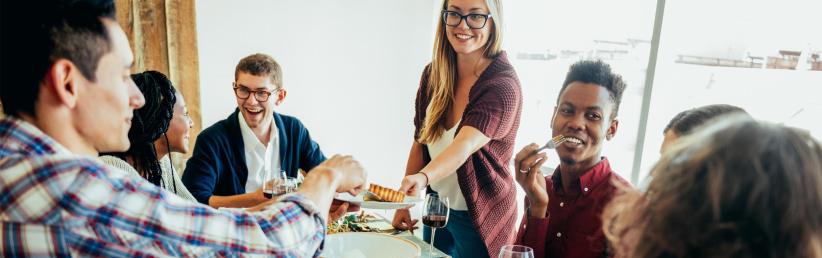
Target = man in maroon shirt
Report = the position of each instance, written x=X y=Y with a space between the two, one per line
x=563 y=210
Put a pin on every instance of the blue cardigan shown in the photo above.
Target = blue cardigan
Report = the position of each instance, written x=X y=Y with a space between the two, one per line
x=218 y=165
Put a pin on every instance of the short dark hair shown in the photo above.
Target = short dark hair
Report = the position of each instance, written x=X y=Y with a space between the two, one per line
x=685 y=122
x=599 y=73
x=261 y=65
x=37 y=33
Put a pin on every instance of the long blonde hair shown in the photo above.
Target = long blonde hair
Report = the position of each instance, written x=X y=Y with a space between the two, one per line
x=442 y=76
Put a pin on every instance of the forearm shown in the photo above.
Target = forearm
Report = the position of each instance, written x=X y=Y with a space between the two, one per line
x=536 y=209
x=447 y=162
x=533 y=232
x=320 y=187
x=468 y=141
x=236 y=201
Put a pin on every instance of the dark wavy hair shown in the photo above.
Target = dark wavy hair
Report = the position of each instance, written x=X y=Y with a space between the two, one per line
x=737 y=188
x=149 y=123
x=685 y=122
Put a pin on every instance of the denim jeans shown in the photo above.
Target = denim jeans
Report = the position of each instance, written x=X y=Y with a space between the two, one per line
x=461 y=228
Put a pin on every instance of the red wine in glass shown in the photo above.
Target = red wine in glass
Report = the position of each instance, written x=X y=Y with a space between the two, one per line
x=434 y=221
x=268 y=195
x=435 y=214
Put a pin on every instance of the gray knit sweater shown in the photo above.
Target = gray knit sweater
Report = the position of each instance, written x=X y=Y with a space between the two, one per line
x=170 y=183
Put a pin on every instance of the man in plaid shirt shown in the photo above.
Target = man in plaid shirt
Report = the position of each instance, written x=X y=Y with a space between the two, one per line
x=65 y=86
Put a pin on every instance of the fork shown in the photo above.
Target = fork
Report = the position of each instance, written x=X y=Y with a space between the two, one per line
x=553 y=143
x=373 y=196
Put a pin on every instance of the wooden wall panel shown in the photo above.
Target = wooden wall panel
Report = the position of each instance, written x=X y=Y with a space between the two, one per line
x=163 y=37
x=184 y=59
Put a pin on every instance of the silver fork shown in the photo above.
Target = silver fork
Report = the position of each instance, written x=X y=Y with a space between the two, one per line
x=553 y=143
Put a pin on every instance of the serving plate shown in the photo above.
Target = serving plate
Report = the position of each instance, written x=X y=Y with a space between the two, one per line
x=368 y=245
x=407 y=203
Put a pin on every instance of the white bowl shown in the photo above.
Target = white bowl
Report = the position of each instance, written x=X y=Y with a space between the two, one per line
x=368 y=245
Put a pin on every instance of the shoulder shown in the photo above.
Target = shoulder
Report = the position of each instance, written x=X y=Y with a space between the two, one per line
x=422 y=91
x=502 y=70
x=118 y=163
x=499 y=77
x=217 y=131
x=615 y=179
x=289 y=122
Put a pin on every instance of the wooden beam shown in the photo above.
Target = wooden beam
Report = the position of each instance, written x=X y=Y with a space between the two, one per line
x=151 y=36
x=163 y=37
x=125 y=17
x=183 y=58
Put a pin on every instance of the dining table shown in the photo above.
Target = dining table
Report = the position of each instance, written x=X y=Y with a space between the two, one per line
x=382 y=225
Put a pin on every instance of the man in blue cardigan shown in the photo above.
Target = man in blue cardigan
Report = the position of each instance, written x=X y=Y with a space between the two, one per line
x=232 y=156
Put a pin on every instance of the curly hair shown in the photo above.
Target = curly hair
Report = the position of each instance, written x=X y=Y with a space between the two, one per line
x=599 y=73
x=149 y=123
x=738 y=188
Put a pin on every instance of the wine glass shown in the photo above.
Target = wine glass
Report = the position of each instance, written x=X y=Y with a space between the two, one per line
x=516 y=251
x=435 y=214
x=275 y=184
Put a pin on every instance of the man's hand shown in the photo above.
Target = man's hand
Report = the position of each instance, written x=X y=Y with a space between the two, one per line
x=402 y=220
x=337 y=174
x=527 y=172
x=340 y=208
x=351 y=175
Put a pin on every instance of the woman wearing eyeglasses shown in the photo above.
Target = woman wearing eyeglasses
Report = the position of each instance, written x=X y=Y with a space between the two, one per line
x=467 y=114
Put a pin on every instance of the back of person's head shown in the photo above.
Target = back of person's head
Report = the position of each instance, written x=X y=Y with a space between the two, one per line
x=150 y=123
x=599 y=73
x=737 y=188
x=36 y=33
x=261 y=65
x=685 y=122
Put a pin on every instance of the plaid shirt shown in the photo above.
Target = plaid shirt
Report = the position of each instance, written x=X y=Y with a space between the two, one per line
x=57 y=204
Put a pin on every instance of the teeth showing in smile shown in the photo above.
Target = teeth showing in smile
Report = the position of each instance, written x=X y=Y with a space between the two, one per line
x=573 y=140
x=253 y=110
x=463 y=36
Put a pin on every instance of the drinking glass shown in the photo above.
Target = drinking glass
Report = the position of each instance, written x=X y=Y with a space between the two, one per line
x=435 y=214
x=516 y=251
x=277 y=184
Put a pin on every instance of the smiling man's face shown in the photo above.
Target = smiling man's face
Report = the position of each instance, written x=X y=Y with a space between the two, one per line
x=583 y=116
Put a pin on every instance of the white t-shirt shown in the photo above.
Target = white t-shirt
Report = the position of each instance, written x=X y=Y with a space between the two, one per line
x=259 y=158
x=448 y=186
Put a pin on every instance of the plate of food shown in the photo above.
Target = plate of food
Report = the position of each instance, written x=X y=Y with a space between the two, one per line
x=366 y=245
x=379 y=197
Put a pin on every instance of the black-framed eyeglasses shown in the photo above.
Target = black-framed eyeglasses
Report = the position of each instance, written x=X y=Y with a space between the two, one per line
x=243 y=92
x=473 y=20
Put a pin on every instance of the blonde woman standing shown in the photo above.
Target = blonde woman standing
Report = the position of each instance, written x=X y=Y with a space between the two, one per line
x=467 y=114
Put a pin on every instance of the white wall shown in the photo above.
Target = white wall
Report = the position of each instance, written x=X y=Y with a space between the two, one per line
x=351 y=68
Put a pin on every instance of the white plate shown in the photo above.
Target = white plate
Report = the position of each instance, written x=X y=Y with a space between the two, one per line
x=408 y=202
x=367 y=245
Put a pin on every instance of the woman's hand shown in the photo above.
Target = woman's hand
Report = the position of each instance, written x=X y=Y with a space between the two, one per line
x=527 y=172
x=412 y=184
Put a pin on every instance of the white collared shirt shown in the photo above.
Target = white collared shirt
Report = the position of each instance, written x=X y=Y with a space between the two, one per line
x=259 y=158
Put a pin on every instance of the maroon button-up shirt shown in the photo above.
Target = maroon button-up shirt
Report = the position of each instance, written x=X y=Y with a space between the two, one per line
x=573 y=224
